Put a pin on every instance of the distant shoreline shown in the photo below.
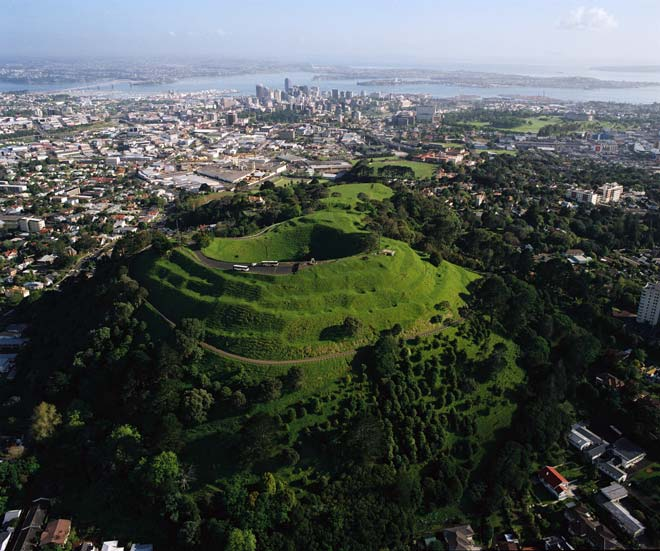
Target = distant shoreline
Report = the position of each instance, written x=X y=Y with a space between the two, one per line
x=469 y=79
x=628 y=68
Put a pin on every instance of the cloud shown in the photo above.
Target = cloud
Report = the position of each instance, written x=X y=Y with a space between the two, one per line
x=172 y=33
x=221 y=32
x=591 y=19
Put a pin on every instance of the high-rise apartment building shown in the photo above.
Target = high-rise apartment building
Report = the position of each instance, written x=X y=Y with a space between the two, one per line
x=649 y=304
x=610 y=193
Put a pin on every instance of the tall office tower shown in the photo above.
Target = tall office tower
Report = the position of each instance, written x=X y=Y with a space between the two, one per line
x=287 y=84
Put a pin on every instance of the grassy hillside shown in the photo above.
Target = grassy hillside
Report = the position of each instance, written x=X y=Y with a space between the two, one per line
x=278 y=317
x=347 y=195
x=322 y=235
x=303 y=314
x=332 y=233
x=530 y=125
x=328 y=385
x=422 y=171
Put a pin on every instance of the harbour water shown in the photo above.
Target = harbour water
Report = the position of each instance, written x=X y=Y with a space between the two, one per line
x=244 y=84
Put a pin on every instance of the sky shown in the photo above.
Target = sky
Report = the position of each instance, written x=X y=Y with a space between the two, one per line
x=381 y=32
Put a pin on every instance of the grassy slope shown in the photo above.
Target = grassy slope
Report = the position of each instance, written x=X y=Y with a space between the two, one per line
x=207 y=443
x=287 y=241
x=647 y=480
x=293 y=316
x=532 y=125
x=331 y=382
x=346 y=195
x=290 y=240
x=422 y=171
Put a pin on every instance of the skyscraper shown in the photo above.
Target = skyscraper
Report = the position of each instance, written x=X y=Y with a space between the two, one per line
x=262 y=92
x=287 y=84
x=649 y=304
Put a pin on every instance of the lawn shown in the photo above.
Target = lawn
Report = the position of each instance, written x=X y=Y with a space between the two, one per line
x=423 y=171
x=322 y=235
x=346 y=195
x=331 y=233
x=531 y=125
x=286 y=181
x=201 y=200
x=647 y=480
x=534 y=124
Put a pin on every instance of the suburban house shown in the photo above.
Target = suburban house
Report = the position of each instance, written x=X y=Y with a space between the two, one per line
x=583 y=524
x=610 y=499
x=582 y=438
x=56 y=532
x=29 y=526
x=629 y=453
x=556 y=484
x=610 y=459
x=608 y=468
x=508 y=542
x=460 y=538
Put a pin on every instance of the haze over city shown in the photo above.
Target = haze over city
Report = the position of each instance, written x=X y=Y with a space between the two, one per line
x=430 y=32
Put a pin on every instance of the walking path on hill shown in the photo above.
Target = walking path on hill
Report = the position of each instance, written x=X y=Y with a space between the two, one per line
x=314 y=359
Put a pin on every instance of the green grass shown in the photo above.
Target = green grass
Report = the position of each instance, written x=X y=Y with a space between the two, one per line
x=534 y=124
x=208 y=197
x=423 y=171
x=346 y=195
x=286 y=181
x=531 y=125
x=158 y=327
x=492 y=412
x=452 y=145
x=386 y=158
x=647 y=480
x=206 y=445
x=499 y=151
x=299 y=315
x=322 y=235
x=331 y=233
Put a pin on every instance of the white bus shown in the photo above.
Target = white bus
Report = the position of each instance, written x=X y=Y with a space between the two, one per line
x=273 y=263
x=241 y=268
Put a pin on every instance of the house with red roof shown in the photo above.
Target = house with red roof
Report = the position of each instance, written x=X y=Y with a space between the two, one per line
x=556 y=484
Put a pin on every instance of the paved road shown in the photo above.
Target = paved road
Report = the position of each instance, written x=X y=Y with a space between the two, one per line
x=284 y=268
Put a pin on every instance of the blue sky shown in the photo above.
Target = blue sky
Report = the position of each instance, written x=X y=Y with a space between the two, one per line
x=549 y=32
